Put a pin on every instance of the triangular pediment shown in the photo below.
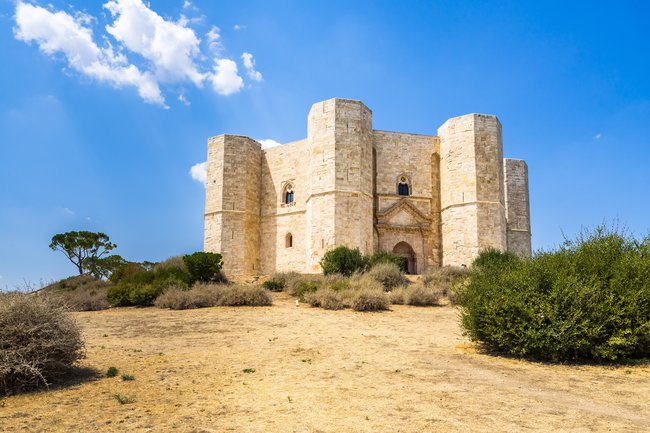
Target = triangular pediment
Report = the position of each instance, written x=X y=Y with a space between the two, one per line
x=403 y=214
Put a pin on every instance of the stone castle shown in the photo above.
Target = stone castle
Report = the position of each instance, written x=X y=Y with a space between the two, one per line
x=435 y=200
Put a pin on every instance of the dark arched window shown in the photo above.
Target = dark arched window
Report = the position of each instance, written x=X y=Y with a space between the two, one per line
x=403 y=187
x=288 y=240
x=288 y=194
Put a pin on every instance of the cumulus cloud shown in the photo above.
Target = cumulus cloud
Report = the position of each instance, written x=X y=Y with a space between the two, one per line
x=61 y=33
x=170 y=46
x=226 y=80
x=598 y=136
x=199 y=172
x=249 y=64
x=267 y=143
x=144 y=51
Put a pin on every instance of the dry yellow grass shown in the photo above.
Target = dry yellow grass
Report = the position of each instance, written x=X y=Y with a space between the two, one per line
x=407 y=370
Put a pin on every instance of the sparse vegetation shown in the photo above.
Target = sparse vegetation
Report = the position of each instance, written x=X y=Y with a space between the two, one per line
x=128 y=377
x=369 y=300
x=80 y=293
x=112 y=372
x=211 y=295
x=124 y=399
x=39 y=342
x=589 y=299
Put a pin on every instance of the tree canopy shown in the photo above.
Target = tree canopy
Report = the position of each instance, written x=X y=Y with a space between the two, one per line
x=84 y=249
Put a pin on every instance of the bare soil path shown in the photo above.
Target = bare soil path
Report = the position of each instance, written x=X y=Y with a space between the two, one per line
x=407 y=370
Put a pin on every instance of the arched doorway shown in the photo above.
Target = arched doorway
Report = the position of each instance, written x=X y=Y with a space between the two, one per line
x=404 y=250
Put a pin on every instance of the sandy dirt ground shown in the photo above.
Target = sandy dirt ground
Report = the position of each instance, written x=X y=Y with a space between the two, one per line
x=299 y=369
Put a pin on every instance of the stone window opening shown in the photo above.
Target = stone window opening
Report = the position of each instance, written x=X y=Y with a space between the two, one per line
x=288 y=195
x=288 y=240
x=403 y=186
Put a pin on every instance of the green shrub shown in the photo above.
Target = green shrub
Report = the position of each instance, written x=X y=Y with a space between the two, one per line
x=112 y=372
x=118 y=295
x=128 y=377
x=342 y=260
x=127 y=271
x=172 y=270
x=387 y=257
x=273 y=285
x=204 y=267
x=39 y=341
x=337 y=282
x=388 y=274
x=369 y=300
x=305 y=286
x=144 y=296
x=589 y=299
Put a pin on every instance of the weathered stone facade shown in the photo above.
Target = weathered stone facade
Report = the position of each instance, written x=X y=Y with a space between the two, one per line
x=436 y=200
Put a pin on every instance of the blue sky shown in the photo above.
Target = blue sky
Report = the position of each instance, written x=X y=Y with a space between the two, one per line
x=99 y=130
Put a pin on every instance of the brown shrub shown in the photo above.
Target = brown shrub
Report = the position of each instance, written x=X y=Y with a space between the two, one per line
x=365 y=282
x=244 y=295
x=388 y=274
x=325 y=298
x=422 y=296
x=397 y=295
x=299 y=284
x=443 y=278
x=369 y=300
x=211 y=295
x=39 y=341
x=171 y=263
x=80 y=293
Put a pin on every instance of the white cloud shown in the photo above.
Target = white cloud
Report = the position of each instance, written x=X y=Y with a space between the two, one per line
x=68 y=211
x=598 y=136
x=239 y=27
x=184 y=100
x=59 y=32
x=170 y=46
x=225 y=80
x=249 y=64
x=199 y=172
x=267 y=143
x=213 y=38
x=139 y=48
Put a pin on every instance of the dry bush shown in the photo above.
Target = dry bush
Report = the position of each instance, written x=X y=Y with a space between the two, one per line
x=365 y=282
x=300 y=284
x=337 y=282
x=388 y=274
x=398 y=295
x=325 y=298
x=39 y=341
x=80 y=293
x=422 y=296
x=210 y=295
x=80 y=300
x=443 y=278
x=369 y=300
x=244 y=295
x=175 y=262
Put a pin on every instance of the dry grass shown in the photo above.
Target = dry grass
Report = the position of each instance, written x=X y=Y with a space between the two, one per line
x=80 y=293
x=407 y=370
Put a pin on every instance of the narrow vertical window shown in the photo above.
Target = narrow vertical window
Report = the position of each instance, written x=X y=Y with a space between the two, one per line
x=288 y=240
x=287 y=195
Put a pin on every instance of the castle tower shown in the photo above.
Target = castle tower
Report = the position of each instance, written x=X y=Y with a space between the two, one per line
x=471 y=188
x=517 y=206
x=232 y=202
x=340 y=198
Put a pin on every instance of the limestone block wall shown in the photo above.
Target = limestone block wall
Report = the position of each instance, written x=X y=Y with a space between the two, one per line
x=281 y=165
x=232 y=217
x=517 y=206
x=339 y=206
x=471 y=191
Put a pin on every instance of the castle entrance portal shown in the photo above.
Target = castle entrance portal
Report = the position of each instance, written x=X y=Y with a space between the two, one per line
x=405 y=251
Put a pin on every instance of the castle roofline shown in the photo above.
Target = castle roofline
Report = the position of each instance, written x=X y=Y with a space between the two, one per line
x=356 y=101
